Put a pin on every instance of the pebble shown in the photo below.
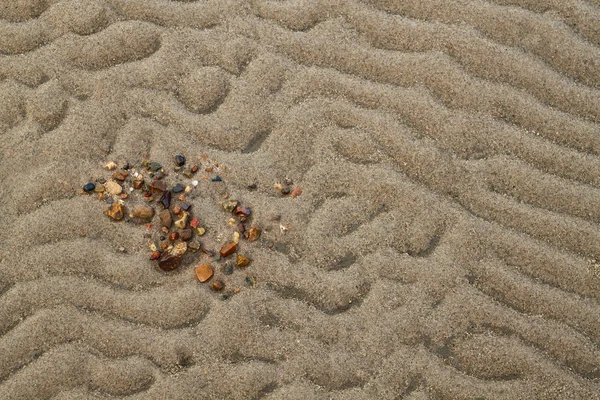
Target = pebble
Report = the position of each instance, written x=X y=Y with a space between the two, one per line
x=185 y=206
x=168 y=262
x=110 y=200
x=194 y=169
x=230 y=205
x=253 y=233
x=242 y=213
x=101 y=180
x=138 y=183
x=179 y=249
x=185 y=234
x=127 y=165
x=195 y=183
x=285 y=190
x=296 y=192
x=218 y=285
x=217 y=179
x=242 y=261
x=155 y=255
x=251 y=281
x=204 y=272
x=159 y=175
x=165 y=199
x=227 y=249
x=178 y=188
x=143 y=212
x=252 y=186
x=155 y=166
x=113 y=187
x=110 y=166
x=227 y=268
x=194 y=246
x=236 y=237
x=173 y=236
x=288 y=181
x=183 y=220
x=89 y=187
x=120 y=176
x=115 y=212
x=165 y=218
x=179 y=160
x=158 y=186
x=188 y=189
x=241 y=228
x=200 y=231
x=194 y=223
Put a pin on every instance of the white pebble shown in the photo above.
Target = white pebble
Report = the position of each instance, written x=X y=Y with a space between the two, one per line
x=131 y=189
x=195 y=183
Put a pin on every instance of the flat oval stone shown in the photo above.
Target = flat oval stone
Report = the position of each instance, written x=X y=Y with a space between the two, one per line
x=178 y=188
x=143 y=212
x=89 y=187
x=158 y=186
x=168 y=262
x=113 y=187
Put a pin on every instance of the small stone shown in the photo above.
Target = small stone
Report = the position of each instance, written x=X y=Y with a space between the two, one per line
x=208 y=169
x=218 y=285
x=296 y=192
x=165 y=218
x=120 y=176
x=253 y=233
x=178 y=188
x=101 y=180
x=242 y=213
x=204 y=272
x=183 y=220
x=116 y=211
x=123 y=196
x=227 y=249
x=113 y=187
x=179 y=160
x=200 y=231
x=194 y=223
x=252 y=186
x=285 y=190
x=179 y=249
x=288 y=181
x=217 y=257
x=159 y=175
x=242 y=261
x=188 y=189
x=236 y=237
x=126 y=166
x=241 y=228
x=195 y=183
x=185 y=206
x=194 y=169
x=185 y=234
x=217 y=179
x=89 y=187
x=251 y=281
x=110 y=166
x=173 y=236
x=158 y=186
x=109 y=200
x=227 y=268
x=155 y=166
x=230 y=205
x=168 y=262
x=165 y=199
x=155 y=255
x=143 y=212
x=181 y=197
x=138 y=183
x=122 y=249
x=194 y=246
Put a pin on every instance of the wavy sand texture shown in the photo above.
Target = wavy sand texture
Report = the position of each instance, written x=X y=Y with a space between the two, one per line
x=445 y=243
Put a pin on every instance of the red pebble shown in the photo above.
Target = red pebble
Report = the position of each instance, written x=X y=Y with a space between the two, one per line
x=155 y=255
x=194 y=223
x=147 y=194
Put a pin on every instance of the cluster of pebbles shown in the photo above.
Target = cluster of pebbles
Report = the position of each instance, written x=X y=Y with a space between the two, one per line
x=179 y=229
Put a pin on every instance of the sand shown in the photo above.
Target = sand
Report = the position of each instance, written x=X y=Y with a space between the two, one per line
x=445 y=246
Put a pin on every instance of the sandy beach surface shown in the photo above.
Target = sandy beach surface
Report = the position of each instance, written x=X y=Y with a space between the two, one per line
x=445 y=244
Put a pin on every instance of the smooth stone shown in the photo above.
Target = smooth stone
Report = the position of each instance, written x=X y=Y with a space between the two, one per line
x=165 y=218
x=168 y=262
x=155 y=166
x=227 y=249
x=185 y=234
x=113 y=187
x=89 y=187
x=99 y=188
x=143 y=212
x=178 y=188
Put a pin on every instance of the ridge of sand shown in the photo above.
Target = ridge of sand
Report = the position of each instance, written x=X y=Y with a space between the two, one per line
x=445 y=244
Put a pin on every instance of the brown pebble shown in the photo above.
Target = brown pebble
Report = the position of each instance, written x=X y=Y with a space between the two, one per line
x=165 y=218
x=241 y=228
x=194 y=169
x=168 y=262
x=158 y=186
x=296 y=192
x=242 y=261
x=185 y=234
x=115 y=211
x=173 y=236
x=218 y=285
x=155 y=255
x=120 y=176
x=138 y=183
x=285 y=190
x=208 y=169
x=124 y=196
x=113 y=187
x=204 y=272
x=164 y=245
x=177 y=209
x=253 y=233
x=143 y=212
x=227 y=249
